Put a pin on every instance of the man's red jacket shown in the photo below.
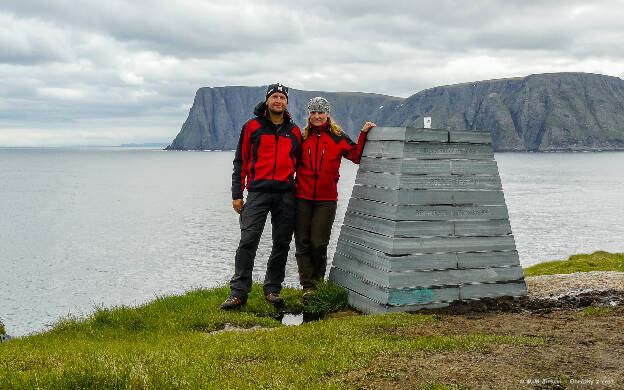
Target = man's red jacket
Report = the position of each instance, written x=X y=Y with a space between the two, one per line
x=266 y=155
x=319 y=165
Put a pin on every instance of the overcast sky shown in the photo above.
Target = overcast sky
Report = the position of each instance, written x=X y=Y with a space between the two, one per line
x=111 y=72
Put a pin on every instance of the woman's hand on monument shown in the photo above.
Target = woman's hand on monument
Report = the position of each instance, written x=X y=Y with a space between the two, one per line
x=368 y=126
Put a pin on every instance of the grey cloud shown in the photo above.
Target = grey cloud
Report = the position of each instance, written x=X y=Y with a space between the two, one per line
x=171 y=29
x=130 y=62
x=31 y=41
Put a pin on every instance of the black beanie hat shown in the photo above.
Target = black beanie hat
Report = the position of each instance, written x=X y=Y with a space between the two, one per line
x=273 y=88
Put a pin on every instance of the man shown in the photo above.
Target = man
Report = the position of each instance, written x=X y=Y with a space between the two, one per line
x=264 y=163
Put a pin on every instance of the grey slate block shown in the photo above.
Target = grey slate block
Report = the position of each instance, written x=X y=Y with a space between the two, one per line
x=429 y=197
x=490 y=227
x=488 y=259
x=380 y=149
x=406 y=166
x=399 y=228
x=394 y=297
x=422 y=296
x=366 y=222
x=369 y=306
x=493 y=290
x=350 y=282
x=474 y=167
x=424 y=182
x=415 y=166
x=407 y=134
x=404 y=246
x=426 y=261
x=386 y=133
x=429 y=278
x=479 y=198
x=403 y=197
x=427 y=213
x=427 y=150
x=475 y=137
x=362 y=270
x=413 y=262
x=424 y=150
x=356 y=252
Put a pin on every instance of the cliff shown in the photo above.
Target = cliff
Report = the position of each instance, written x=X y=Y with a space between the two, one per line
x=543 y=112
x=217 y=114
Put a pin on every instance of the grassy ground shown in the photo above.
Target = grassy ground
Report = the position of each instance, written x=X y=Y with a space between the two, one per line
x=597 y=261
x=176 y=342
x=172 y=343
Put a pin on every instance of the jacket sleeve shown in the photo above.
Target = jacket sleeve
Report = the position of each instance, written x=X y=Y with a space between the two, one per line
x=354 y=151
x=241 y=164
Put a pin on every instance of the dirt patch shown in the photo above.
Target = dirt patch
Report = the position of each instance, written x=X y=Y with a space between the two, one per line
x=580 y=351
x=227 y=327
x=534 y=304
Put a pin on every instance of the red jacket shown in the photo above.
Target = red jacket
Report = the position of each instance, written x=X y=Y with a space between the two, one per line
x=319 y=164
x=266 y=155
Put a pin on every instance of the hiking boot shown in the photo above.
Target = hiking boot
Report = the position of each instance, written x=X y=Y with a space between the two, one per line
x=233 y=303
x=307 y=292
x=274 y=299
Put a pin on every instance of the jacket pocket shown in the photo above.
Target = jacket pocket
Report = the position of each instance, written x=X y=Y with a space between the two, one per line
x=322 y=155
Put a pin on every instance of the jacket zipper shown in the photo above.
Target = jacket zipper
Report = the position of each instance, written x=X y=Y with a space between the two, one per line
x=276 y=142
x=318 y=136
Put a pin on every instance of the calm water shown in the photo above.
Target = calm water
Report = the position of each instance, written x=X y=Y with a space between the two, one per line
x=91 y=227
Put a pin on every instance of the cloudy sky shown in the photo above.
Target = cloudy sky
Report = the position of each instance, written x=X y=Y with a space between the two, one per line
x=110 y=72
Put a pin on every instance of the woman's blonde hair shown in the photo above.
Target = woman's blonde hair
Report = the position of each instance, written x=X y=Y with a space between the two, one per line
x=333 y=127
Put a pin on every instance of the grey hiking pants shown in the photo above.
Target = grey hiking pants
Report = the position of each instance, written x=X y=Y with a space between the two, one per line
x=281 y=205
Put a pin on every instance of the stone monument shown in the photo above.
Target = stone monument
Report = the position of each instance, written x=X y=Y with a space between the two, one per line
x=426 y=224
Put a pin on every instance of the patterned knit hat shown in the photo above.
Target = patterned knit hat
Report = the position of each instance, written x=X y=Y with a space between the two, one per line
x=273 y=88
x=319 y=104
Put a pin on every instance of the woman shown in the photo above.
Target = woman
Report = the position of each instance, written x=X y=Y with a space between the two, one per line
x=324 y=145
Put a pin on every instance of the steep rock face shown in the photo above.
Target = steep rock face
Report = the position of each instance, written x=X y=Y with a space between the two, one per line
x=217 y=114
x=544 y=112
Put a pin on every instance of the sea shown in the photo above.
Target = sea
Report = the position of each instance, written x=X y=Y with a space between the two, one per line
x=84 y=228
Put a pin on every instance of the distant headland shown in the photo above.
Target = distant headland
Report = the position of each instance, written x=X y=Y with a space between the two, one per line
x=539 y=113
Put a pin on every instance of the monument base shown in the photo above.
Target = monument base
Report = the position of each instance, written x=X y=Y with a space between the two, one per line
x=427 y=223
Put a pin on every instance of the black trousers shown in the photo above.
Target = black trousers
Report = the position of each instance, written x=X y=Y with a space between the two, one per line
x=313 y=227
x=281 y=205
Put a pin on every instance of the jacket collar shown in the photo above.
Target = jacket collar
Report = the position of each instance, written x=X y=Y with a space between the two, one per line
x=319 y=129
x=262 y=111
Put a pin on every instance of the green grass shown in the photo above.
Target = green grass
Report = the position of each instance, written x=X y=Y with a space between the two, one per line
x=597 y=261
x=168 y=344
x=597 y=311
x=2 y=331
x=328 y=298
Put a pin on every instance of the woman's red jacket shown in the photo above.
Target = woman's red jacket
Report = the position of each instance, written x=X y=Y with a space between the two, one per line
x=318 y=167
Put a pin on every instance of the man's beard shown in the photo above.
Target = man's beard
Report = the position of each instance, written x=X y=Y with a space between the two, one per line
x=276 y=112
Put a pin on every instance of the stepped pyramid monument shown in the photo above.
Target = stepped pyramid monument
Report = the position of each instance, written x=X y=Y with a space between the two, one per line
x=427 y=223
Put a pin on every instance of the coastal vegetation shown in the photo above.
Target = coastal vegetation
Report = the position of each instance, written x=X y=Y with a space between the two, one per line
x=189 y=342
x=597 y=311
x=597 y=261
x=175 y=342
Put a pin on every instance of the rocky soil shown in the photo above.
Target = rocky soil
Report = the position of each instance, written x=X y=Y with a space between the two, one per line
x=583 y=348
